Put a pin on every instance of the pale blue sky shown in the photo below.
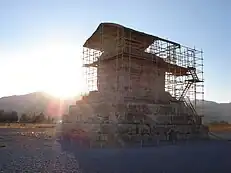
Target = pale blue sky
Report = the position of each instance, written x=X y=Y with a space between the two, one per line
x=36 y=34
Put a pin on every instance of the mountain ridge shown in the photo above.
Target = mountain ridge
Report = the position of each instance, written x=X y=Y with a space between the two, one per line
x=38 y=102
x=35 y=102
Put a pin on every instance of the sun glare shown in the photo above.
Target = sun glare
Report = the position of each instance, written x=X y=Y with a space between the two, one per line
x=54 y=67
x=62 y=75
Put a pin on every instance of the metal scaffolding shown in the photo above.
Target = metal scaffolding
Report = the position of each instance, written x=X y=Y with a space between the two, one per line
x=139 y=84
x=184 y=70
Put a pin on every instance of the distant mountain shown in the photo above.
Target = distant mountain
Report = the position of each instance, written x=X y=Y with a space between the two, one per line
x=216 y=111
x=38 y=102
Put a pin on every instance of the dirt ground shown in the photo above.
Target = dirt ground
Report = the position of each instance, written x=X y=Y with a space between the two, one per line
x=41 y=150
x=25 y=125
x=33 y=150
x=220 y=128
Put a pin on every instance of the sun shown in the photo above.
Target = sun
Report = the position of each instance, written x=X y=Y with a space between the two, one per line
x=61 y=73
x=60 y=92
x=64 y=85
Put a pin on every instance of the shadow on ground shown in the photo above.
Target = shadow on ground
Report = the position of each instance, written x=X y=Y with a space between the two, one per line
x=32 y=151
x=195 y=157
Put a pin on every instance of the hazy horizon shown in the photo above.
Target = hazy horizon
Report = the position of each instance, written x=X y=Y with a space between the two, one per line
x=74 y=97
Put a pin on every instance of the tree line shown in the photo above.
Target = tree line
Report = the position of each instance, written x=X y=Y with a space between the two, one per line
x=222 y=122
x=13 y=117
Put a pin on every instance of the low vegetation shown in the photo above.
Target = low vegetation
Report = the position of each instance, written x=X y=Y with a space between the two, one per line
x=221 y=126
x=13 y=117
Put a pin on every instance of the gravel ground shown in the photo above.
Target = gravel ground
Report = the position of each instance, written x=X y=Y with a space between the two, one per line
x=33 y=151
x=23 y=150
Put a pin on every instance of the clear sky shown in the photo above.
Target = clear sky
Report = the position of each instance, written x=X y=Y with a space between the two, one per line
x=40 y=41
